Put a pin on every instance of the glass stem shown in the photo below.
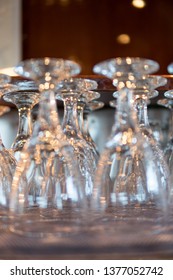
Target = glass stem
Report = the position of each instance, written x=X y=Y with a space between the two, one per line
x=47 y=115
x=80 y=114
x=24 y=127
x=1 y=144
x=25 y=122
x=171 y=124
x=125 y=114
x=70 y=123
x=142 y=112
x=86 y=125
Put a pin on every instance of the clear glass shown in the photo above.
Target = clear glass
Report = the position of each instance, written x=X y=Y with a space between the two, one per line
x=25 y=98
x=168 y=135
x=70 y=92
x=7 y=161
x=168 y=151
x=128 y=184
x=113 y=103
x=170 y=68
x=47 y=197
x=81 y=105
x=90 y=107
x=82 y=112
x=143 y=92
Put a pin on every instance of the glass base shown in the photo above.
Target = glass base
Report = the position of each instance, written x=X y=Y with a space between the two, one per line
x=48 y=223
x=45 y=229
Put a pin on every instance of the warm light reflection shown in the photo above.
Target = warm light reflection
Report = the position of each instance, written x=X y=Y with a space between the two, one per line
x=8 y=71
x=139 y=4
x=49 y=2
x=75 y=59
x=4 y=109
x=64 y=2
x=123 y=39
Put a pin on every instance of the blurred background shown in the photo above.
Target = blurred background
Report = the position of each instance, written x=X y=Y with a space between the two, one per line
x=86 y=31
x=89 y=31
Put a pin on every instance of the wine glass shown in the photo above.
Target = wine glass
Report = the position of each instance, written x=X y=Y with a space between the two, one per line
x=70 y=91
x=85 y=99
x=47 y=197
x=128 y=184
x=170 y=68
x=89 y=132
x=7 y=161
x=4 y=80
x=143 y=92
x=82 y=112
x=25 y=98
x=90 y=107
x=168 y=151
x=166 y=132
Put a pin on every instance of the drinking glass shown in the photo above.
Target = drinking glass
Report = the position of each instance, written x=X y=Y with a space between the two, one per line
x=7 y=161
x=85 y=99
x=168 y=151
x=128 y=184
x=25 y=98
x=47 y=197
x=170 y=68
x=90 y=107
x=144 y=91
x=82 y=112
x=70 y=91
x=167 y=132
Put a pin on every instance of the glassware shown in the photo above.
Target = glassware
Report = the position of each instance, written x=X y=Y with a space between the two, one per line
x=25 y=98
x=170 y=68
x=84 y=99
x=168 y=151
x=94 y=105
x=47 y=197
x=143 y=92
x=157 y=131
x=166 y=133
x=7 y=161
x=128 y=184
x=4 y=80
x=143 y=97
x=113 y=103
x=90 y=107
x=70 y=91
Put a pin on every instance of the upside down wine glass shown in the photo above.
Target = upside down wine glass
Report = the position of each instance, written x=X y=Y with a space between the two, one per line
x=25 y=98
x=82 y=112
x=47 y=197
x=84 y=105
x=167 y=103
x=70 y=91
x=7 y=161
x=144 y=90
x=168 y=151
x=88 y=108
x=128 y=184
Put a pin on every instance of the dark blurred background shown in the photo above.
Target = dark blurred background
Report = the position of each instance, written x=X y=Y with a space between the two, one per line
x=89 y=31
